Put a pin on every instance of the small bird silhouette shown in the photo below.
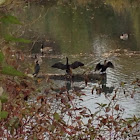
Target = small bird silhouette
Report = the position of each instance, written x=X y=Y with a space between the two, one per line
x=103 y=67
x=36 y=69
x=45 y=49
x=68 y=66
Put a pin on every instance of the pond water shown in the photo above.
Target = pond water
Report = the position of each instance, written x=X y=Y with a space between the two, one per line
x=90 y=32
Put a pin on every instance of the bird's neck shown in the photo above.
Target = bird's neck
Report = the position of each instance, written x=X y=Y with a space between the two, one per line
x=68 y=70
x=67 y=61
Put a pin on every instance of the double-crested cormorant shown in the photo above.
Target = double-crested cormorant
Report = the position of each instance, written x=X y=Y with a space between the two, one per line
x=103 y=67
x=45 y=49
x=68 y=66
x=36 y=69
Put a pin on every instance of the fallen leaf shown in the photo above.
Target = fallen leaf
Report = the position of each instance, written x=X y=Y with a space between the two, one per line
x=107 y=109
x=116 y=107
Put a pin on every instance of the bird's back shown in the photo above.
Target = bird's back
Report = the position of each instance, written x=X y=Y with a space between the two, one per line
x=103 y=68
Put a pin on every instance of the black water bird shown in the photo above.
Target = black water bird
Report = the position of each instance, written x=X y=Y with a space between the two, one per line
x=68 y=66
x=103 y=67
x=45 y=49
x=36 y=69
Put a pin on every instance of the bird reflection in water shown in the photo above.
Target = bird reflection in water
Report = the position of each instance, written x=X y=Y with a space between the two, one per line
x=104 y=88
x=107 y=89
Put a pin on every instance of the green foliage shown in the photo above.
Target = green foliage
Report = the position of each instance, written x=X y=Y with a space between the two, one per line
x=56 y=116
x=14 y=122
x=1 y=57
x=35 y=138
x=14 y=39
x=122 y=84
x=101 y=105
x=9 y=70
x=3 y=98
x=9 y=19
x=3 y=114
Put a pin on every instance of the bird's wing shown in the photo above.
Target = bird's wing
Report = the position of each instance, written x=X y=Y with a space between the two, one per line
x=76 y=64
x=98 y=66
x=109 y=64
x=59 y=65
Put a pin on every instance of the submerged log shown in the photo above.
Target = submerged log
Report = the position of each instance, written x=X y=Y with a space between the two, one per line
x=76 y=77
